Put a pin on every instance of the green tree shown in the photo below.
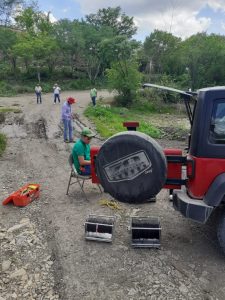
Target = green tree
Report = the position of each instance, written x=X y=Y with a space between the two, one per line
x=114 y=19
x=69 y=38
x=92 y=55
x=160 y=51
x=125 y=78
x=8 y=39
x=33 y=21
x=36 y=44
x=117 y=48
x=36 y=51
x=204 y=57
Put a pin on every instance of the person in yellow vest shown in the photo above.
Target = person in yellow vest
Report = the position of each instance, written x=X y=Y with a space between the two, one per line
x=93 y=95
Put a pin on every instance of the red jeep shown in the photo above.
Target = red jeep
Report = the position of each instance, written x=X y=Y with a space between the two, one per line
x=132 y=167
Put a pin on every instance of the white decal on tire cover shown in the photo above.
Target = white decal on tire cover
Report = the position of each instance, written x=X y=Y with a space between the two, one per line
x=128 y=167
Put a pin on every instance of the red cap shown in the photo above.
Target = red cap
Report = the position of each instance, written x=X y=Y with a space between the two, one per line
x=71 y=100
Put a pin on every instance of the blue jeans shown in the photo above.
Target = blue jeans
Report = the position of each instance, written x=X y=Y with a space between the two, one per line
x=56 y=96
x=93 y=100
x=86 y=170
x=68 y=126
x=38 y=97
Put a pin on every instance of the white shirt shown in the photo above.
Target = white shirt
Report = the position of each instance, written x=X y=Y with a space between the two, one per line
x=38 y=89
x=56 y=90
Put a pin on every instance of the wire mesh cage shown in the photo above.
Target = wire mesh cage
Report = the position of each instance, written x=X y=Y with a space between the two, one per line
x=145 y=232
x=99 y=228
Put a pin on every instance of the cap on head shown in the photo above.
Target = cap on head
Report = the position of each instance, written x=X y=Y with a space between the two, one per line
x=71 y=100
x=87 y=132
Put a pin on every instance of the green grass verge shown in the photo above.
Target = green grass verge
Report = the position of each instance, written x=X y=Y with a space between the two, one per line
x=2 y=143
x=9 y=109
x=108 y=120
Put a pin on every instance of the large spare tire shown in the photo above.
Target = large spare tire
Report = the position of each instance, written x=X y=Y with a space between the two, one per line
x=131 y=167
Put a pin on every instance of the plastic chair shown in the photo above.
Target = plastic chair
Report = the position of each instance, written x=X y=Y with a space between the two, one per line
x=80 y=179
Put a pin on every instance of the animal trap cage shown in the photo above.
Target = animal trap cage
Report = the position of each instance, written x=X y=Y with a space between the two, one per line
x=145 y=232
x=99 y=228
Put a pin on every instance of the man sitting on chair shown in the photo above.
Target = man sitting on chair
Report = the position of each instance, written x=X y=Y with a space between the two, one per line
x=81 y=152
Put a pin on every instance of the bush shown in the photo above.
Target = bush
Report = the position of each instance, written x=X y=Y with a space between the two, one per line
x=79 y=84
x=149 y=100
x=6 y=89
x=166 y=81
x=125 y=79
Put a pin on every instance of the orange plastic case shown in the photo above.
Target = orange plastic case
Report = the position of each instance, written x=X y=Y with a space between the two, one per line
x=24 y=195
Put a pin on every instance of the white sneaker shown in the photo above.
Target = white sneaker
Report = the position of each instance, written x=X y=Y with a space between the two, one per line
x=54 y=103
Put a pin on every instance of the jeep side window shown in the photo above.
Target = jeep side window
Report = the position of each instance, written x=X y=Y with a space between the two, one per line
x=217 y=125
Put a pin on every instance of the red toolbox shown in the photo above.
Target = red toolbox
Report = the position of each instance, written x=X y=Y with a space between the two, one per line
x=24 y=195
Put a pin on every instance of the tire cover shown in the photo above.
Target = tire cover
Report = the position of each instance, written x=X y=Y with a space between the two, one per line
x=131 y=167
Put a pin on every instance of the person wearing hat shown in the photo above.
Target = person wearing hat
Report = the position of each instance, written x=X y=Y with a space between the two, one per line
x=67 y=118
x=81 y=152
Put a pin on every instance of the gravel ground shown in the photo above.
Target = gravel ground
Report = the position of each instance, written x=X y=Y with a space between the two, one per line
x=43 y=253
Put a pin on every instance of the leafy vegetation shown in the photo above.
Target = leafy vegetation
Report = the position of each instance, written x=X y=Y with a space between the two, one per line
x=108 y=120
x=125 y=78
x=100 y=50
x=2 y=143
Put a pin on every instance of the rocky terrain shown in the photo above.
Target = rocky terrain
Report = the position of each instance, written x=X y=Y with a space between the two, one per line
x=43 y=253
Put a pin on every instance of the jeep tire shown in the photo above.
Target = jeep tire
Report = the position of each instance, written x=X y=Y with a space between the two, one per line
x=131 y=167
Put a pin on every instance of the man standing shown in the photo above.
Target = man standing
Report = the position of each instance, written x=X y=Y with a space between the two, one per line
x=56 y=92
x=93 y=95
x=38 y=91
x=81 y=152
x=67 y=119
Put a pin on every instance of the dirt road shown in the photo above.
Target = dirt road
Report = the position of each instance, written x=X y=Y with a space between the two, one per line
x=50 y=248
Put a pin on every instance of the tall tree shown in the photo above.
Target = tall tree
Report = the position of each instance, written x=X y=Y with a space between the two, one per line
x=204 y=59
x=8 y=39
x=116 y=48
x=33 y=21
x=36 y=44
x=69 y=37
x=115 y=19
x=92 y=55
x=159 y=49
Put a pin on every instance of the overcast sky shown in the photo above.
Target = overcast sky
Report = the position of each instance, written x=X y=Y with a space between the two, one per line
x=180 y=17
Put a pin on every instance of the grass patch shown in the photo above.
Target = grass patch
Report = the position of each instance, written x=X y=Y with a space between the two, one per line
x=108 y=120
x=2 y=143
x=9 y=109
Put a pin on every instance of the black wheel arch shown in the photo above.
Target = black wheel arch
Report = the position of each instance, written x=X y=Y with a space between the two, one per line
x=216 y=193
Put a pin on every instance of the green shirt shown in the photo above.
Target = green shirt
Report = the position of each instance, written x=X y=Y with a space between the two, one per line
x=80 y=149
x=93 y=93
